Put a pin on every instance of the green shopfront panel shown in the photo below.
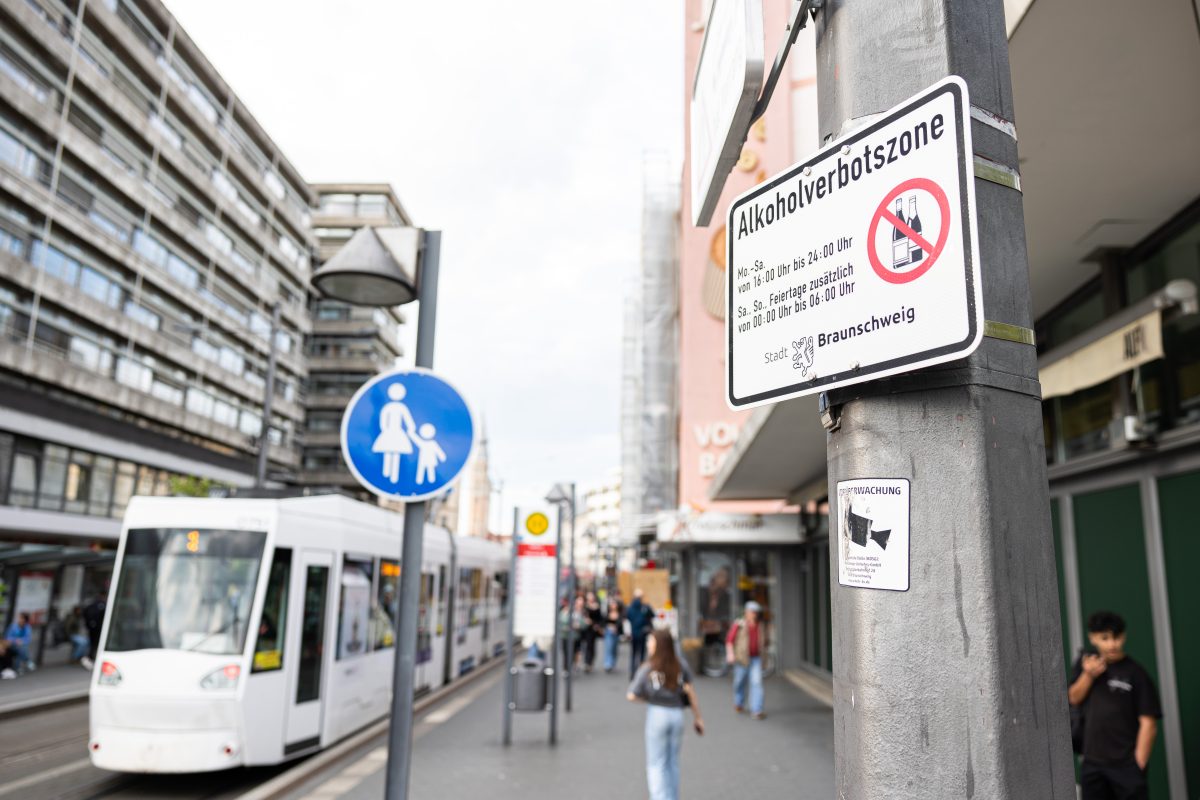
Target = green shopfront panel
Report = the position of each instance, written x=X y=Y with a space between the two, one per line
x=1056 y=527
x=1177 y=500
x=1112 y=576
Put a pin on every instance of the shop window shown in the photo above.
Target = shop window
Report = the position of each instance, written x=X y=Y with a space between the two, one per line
x=268 y=646
x=1085 y=419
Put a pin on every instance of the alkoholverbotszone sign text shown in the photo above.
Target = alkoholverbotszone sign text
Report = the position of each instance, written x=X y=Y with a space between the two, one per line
x=862 y=261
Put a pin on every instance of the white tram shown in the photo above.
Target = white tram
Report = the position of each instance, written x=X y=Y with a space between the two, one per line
x=242 y=632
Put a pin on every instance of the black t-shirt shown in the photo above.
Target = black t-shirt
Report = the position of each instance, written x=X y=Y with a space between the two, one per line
x=1121 y=694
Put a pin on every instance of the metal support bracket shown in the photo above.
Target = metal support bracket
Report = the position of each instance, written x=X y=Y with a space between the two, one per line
x=803 y=10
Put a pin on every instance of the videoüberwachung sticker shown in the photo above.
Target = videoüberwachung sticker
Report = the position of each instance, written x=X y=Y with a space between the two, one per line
x=873 y=519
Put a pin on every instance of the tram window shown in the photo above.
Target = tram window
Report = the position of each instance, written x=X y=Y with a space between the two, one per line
x=268 y=647
x=502 y=593
x=443 y=606
x=383 y=615
x=462 y=606
x=312 y=634
x=354 y=609
x=182 y=589
x=477 y=598
x=424 y=636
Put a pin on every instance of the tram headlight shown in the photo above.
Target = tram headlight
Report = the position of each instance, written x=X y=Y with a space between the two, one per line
x=109 y=674
x=224 y=678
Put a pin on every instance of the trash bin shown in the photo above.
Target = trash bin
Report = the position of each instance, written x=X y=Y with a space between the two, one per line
x=529 y=685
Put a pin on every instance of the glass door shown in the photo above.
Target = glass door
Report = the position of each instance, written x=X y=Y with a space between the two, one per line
x=308 y=643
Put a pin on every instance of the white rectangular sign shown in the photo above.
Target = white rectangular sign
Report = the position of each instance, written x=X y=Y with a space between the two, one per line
x=535 y=585
x=872 y=516
x=861 y=262
x=729 y=77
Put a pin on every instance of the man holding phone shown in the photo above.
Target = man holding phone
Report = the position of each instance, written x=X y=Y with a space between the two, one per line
x=1120 y=713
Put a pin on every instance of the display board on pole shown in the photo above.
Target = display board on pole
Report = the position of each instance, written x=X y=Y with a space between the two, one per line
x=860 y=262
x=536 y=580
x=729 y=78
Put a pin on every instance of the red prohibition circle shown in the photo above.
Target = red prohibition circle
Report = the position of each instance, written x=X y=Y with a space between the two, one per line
x=943 y=234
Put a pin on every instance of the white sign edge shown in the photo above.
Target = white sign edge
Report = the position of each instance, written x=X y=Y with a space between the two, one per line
x=363 y=482
x=752 y=83
x=973 y=225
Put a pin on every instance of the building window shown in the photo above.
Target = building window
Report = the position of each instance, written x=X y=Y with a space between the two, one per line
x=22 y=489
x=54 y=477
x=79 y=482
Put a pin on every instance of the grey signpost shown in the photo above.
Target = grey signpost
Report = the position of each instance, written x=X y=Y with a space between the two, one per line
x=378 y=267
x=400 y=732
x=967 y=698
x=948 y=677
x=509 y=672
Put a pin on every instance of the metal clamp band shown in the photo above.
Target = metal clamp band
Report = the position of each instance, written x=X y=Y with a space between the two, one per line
x=994 y=171
x=1009 y=333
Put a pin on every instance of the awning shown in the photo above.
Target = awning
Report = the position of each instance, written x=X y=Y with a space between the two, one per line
x=779 y=454
x=1123 y=342
x=716 y=528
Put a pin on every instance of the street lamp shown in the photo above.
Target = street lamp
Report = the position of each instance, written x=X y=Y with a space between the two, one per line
x=565 y=497
x=383 y=267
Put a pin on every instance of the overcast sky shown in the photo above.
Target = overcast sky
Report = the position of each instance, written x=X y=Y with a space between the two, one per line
x=519 y=130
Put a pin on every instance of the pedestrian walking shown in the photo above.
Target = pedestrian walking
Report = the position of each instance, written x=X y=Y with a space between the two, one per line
x=573 y=620
x=664 y=683
x=594 y=630
x=76 y=633
x=93 y=621
x=1120 y=710
x=19 y=637
x=613 y=620
x=641 y=621
x=744 y=649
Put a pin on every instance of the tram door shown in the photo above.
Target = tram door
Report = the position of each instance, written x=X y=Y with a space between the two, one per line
x=310 y=612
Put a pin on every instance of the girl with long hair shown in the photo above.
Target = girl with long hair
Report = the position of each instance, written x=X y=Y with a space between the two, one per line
x=665 y=684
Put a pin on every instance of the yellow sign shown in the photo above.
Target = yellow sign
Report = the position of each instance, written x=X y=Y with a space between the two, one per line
x=537 y=523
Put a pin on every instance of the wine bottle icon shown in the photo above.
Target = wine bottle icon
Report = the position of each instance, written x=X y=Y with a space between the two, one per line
x=915 y=253
x=899 y=240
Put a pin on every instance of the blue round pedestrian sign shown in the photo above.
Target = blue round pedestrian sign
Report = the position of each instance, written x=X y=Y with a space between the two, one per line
x=407 y=434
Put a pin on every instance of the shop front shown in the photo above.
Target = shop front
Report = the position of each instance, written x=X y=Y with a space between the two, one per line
x=725 y=560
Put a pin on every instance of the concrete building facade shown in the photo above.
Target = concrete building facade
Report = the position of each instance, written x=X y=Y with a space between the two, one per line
x=348 y=344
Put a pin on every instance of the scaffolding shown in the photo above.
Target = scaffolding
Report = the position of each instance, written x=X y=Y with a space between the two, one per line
x=650 y=354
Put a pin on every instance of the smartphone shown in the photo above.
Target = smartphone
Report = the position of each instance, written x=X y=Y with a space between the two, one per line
x=1088 y=649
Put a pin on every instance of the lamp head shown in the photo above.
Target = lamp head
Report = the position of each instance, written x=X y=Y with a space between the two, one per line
x=376 y=267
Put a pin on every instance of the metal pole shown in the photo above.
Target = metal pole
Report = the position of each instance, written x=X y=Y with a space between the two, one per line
x=508 y=649
x=554 y=646
x=264 y=439
x=571 y=604
x=400 y=732
x=969 y=697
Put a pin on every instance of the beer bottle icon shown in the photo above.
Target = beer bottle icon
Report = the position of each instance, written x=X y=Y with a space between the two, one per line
x=915 y=253
x=899 y=240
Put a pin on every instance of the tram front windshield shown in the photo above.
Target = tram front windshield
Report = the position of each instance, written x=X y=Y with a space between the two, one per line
x=185 y=589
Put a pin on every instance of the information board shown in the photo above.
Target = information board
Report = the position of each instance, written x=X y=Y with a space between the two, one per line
x=872 y=517
x=862 y=261
x=535 y=586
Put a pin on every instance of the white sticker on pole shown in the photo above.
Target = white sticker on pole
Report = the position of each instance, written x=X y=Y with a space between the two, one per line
x=861 y=262
x=872 y=518
x=535 y=586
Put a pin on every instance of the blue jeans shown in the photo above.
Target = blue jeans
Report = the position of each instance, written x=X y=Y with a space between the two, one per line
x=79 y=646
x=611 y=639
x=754 y=673
x=664 y=734
x=20 y=654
